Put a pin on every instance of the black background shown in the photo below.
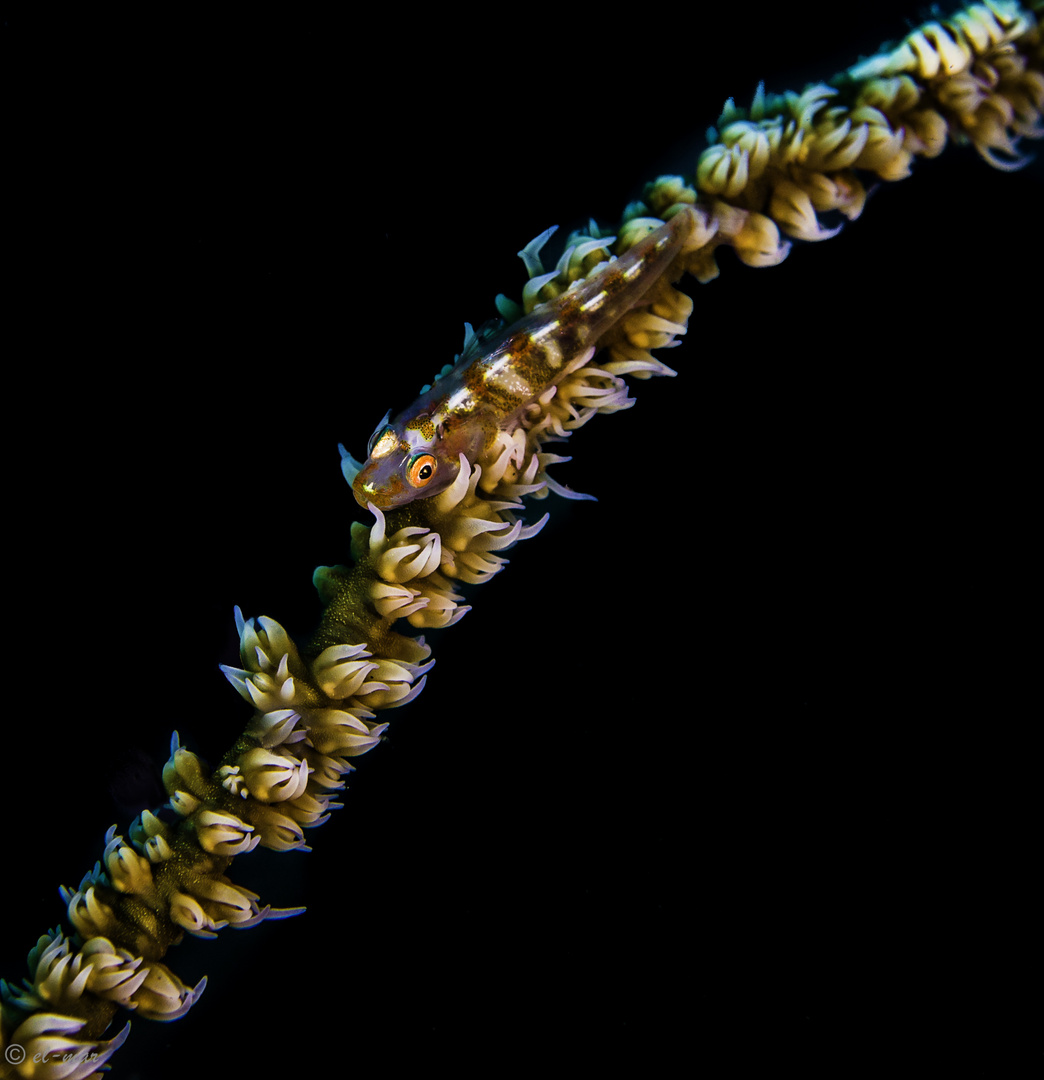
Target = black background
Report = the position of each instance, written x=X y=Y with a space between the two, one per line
x=733 y=766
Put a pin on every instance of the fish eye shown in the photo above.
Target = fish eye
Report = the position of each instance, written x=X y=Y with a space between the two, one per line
x=421 y=469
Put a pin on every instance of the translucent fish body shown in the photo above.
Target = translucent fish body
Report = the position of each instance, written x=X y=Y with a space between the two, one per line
x=417 y=453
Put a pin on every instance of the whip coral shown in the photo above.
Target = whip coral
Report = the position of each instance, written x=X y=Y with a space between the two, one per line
x=780 y=485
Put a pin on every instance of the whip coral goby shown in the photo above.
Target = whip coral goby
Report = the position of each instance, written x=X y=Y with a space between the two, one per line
x=504 y=382
x=826 y=465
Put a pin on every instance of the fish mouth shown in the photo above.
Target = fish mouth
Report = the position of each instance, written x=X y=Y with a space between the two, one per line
x=365 y=498
x=366 y=490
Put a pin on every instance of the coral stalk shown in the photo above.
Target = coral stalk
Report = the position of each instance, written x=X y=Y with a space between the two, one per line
x=318 y=702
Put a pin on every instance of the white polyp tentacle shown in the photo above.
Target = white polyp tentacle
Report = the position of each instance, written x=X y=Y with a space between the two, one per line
x=412 y=552
x=396 y=601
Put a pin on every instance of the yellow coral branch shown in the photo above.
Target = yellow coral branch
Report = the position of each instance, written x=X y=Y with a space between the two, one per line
x=902 y=317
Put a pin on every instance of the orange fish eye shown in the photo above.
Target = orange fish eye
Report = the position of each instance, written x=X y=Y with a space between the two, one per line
x=421 y=469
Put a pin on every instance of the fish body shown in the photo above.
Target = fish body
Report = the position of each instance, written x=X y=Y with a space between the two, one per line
x=416 y=454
